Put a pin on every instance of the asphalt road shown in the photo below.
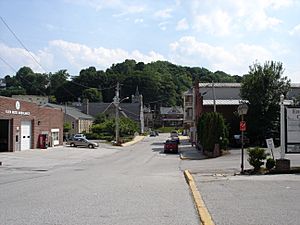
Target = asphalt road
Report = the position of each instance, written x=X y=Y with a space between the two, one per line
x=129 y=185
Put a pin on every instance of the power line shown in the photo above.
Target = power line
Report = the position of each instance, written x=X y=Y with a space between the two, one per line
x=21 y=43
x=100 y=89
x=8 y=64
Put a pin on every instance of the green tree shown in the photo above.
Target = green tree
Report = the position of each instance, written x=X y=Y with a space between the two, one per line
x=33 y=83
x=57 y=80
x=211 y=130
x=92 y=94
x=67 y=127
x=262 y=87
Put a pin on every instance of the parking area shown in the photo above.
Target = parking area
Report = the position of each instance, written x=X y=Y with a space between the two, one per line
x=47 y=159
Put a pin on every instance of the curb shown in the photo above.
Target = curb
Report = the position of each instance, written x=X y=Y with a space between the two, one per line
x=137 y=139
x=183 y=158
x=203 y=213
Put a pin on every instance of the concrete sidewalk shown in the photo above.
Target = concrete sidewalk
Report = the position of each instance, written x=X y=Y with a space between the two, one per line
x=189 y=152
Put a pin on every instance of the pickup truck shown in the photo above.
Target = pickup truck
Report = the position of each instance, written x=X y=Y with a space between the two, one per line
x=171 y=146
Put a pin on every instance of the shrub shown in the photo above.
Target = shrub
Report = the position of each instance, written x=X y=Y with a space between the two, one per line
x=165 y=129
x=270 y=163
x=211 y=130
x=256 y=157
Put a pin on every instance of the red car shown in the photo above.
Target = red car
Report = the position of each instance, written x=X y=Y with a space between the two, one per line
x=171 y=146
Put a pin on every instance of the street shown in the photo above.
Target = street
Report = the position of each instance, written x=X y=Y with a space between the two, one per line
x=139 y=184
x=110 y=185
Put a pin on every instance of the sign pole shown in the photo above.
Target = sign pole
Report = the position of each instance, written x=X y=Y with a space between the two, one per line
x=282 y=135
x=242 y=159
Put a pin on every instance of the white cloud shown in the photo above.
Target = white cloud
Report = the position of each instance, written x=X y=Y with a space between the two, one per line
x=230 y=16
x=182 y=24
x=19 y=57
x=163 y=14
x=80 y=55
x=139 y=20
x=295 y=31
x=163 y=25
x=123 y=7
x=71 y=56
x=189 y=51
x=216 y=23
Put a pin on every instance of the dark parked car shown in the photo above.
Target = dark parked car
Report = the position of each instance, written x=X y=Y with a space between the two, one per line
x=152 y=134
x=171 y=146
x=82 y=142
x=174 y=136
x=236 y=140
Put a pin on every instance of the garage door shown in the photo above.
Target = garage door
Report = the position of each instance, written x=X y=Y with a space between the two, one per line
x=25 y=135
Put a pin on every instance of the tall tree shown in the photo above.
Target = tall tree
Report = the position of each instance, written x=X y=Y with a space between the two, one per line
x=56 y=80
x=262 y=87
x=92 y=94
x=33 y=83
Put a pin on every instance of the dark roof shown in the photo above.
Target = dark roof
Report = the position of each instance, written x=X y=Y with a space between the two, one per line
x=171 y=110
x=71 y=111
x=130 y=110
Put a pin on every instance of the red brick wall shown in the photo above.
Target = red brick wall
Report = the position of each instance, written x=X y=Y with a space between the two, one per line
x=49 y=119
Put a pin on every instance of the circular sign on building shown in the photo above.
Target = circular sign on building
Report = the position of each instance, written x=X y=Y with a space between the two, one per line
x=18 y=105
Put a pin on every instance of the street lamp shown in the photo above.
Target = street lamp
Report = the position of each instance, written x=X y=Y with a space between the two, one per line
x=242 y=110
x=117 y=102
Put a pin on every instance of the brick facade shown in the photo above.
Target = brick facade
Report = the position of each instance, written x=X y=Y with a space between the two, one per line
x=43 y=120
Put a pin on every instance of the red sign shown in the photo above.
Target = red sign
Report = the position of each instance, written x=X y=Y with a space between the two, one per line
x=243 y=126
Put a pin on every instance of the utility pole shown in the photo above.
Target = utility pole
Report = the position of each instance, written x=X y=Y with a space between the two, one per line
x=214 y=96
x=117 y=102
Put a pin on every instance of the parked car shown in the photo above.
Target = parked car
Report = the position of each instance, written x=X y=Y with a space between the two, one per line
x=152 y=134
x=171 y=146
x=82 y=142
x=236 y=140
x=174 y=136
x=79 y=136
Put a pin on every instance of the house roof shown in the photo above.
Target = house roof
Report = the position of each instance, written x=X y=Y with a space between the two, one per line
x=71 y=111
x=232 y=85
x=130 y=110
x=222 y=102
x=171 y=110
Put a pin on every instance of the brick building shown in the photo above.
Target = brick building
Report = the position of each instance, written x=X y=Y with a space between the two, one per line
x=24 y=125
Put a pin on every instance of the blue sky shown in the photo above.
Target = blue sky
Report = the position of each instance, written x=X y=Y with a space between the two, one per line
x=227 y=35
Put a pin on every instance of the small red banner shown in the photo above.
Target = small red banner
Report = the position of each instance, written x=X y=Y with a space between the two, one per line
x=243 y=126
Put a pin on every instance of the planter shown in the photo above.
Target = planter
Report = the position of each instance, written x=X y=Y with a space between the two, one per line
x=213 y=154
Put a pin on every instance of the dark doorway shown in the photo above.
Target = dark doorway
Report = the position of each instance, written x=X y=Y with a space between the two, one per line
x=4 y=135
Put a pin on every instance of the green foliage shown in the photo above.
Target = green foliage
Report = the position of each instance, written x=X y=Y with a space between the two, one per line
x=127 y=127
x=211 y=130
x=57 y=80
x=92 y=94
x=161 y=83
x=262 y=87
x=256 y=157
x=100 y=118
x=8 y=92
x=67 y=127
x=165 y=129
x=270 y=163
x=104 y=128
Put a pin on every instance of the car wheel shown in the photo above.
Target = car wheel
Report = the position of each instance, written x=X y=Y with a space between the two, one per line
x=72 y=145
x=91 y=146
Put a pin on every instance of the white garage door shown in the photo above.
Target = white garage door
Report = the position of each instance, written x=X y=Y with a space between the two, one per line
x=25 y=135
